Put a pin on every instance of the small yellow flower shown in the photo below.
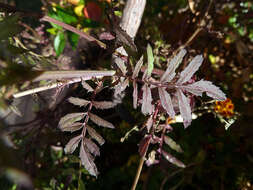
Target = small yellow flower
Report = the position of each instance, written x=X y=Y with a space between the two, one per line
x=224 y=108
x=79 y=10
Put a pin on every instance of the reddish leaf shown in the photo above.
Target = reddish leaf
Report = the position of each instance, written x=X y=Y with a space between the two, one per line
x=144 y=144
x=73 y=127
x=121 y=86
x=149 y=123
x=172 y=144
x=92 y=132
x=121 y=64
x=135 y=94
x=69 y=119
x=166 y=101
x=87 y=161
x=137 y=67
x=87 y=86
x=72 y=144
x=106 y=36
x=92 y=147
x=103 y=104
x=92 y=11
x=151 y=158
x=201 y=86
x=173 y=160
x=147 y=107
x=184 y=107
x=100 y=122
x=78 y=101
x=169 y=74
x=188 y=72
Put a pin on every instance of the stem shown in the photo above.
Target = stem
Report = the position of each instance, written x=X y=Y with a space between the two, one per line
x=136 y=179
x=137 y=176
x=85 y=74
x=90 y=107
x=202 y=23
x=43 y=88
x=73 y=29
x=77 y=76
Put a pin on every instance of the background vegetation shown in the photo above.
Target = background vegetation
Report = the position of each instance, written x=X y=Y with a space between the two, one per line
x=217 y=146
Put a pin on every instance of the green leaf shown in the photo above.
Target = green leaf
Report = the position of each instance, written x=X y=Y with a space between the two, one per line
x=52 y=31
x=88 y=23
x=73 y=39
x=81 y=2
x=53 y=14
x=81 y=185
x=118 y=13
x=66 y=15
x=59 y=43
x=9 y=26
x=150 y=60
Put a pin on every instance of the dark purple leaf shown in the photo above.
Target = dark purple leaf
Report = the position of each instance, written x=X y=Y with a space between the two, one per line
x=69 y=119
x=172 y=144
x=169 y=74
x=100 y=122
x=201 y=86
x=103 y=104
x=151 y=158
x=92 y=147
x=106 y=36
x=137 y=68
x=189 y=71
x=92 y=132
x=73 y=127
x=87 y=86
x=149 y=123
x=135 y=94
x=145 y=76
x=121 y=86
x=78 y=101
x=172 y=159
x=147 y=107
x=72 y=144
x=121 y=64
x=166 y=101
x=144 y=144
x=87 y=160
x=184 y=107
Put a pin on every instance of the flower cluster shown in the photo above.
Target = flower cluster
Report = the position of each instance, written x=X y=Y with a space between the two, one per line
x=224 y=108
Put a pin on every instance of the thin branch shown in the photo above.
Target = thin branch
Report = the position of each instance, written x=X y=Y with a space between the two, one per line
x=43 y=88
x=137 y=176
x=73 y=29
x=75 y=76
x=84 y=74
x=202 y=23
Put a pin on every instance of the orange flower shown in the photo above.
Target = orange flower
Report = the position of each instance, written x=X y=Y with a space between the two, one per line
x=225 y=108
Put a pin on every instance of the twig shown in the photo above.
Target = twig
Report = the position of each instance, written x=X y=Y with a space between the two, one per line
x=43 y=88
x=73 y=29
x=75 y=76
x=202 y=23
x=137 y=176
x=84 y=74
